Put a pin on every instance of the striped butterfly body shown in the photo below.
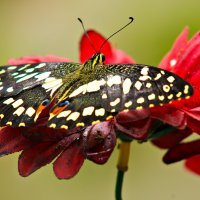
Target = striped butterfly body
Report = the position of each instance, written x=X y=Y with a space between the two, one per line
x=82 y=95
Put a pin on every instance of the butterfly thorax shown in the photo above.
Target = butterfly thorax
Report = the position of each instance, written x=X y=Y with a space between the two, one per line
x=84 y=74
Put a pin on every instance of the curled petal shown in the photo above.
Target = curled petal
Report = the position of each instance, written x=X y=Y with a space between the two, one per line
x=170 y=115
x=172 y=139
x=182 y=151
x=69 y=162
x=37 y=59
x=11 y=140
x=99 y=142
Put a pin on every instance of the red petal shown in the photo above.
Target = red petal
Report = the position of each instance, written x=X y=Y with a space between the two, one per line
x=119 y=57
x=37 y=156
x=69 y=162
x=176 y=51
x=11 y=140
x=193 y=164
x=172 y=139
x=182 y=151
x=86 y=50
x=188 y=64
x=37 y=59
x=170 y=116
x=134 y=124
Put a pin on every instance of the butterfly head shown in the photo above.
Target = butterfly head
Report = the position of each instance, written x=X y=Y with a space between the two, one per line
x=96 y=59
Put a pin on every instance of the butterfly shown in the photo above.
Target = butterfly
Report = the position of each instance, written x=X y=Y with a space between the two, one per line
x=83 y=94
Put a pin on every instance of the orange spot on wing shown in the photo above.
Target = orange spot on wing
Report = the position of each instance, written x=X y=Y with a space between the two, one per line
x=58 y=110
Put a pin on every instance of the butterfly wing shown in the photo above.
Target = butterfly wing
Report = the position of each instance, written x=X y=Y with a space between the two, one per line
x=116 y=88
x=14 y=79
x=28 y=89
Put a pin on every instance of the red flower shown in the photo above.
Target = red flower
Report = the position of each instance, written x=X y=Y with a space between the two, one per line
x=184 y=60
x=41 y=145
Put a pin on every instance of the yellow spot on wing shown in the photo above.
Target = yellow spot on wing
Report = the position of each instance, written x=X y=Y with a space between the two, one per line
x=64 y=126
x=9 y=123
x=22 y=124
x=166 y=88
x=52 y=125
x=109 y=117
x=95 y=122
x=80 y=124
x=186 y=89
x=1 y=116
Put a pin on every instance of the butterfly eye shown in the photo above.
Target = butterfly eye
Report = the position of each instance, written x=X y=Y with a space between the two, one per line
x=45 y=102
x=63 y=103
x=103 y=57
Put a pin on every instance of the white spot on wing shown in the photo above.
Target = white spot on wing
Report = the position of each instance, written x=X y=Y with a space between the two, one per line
x=26 y=77
x=114 y=80
x=138 y=85
x=8 y=101
x=19 y=111
x=30 y=111
x=30 y=70
x=126 y=85
x=145 y=70
x=144 y=78
x=79 y=90
x=2 y=71
x=115 y=102
x=23 y=67
x=128 y=104
x=100 y=112
x=64 y=114
x=151 y=96
x=10 y=89
x=42 y=76
x=171 y=79
x=88 y=111
x=74 y=116
x=104 y=96
x=12 y=67
x=158 y=76
x=140 y=100
x=17 y=103
x=40 y=65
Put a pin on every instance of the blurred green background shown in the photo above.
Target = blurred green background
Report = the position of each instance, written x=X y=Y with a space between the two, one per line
x=43 y=27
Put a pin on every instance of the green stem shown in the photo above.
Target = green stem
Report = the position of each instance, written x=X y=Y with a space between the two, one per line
x=119 y=183
x=122 y=166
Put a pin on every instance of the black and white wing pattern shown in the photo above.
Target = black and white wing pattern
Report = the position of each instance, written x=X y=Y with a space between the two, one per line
x=26 y=90
x=116 y=88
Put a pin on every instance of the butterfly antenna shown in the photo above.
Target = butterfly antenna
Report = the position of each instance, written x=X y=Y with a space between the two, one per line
x=131 y=18
x=87 y=35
